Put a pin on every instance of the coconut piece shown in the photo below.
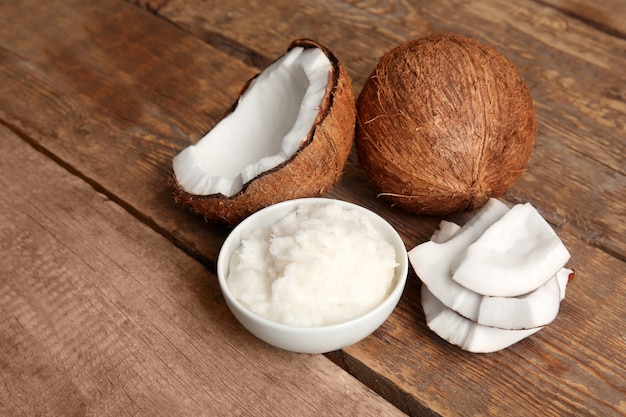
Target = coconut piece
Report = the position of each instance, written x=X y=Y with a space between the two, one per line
x=287 y=136
x=444 y=123
x=432 y=261
x=467 y=334
x=445 y=231
x=514 y=256
x=564 y=277
x=537 y=308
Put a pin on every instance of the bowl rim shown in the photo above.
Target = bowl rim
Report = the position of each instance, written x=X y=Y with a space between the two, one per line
x=395 y=294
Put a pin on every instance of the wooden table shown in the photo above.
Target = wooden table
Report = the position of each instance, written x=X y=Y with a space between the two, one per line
x=108 y=300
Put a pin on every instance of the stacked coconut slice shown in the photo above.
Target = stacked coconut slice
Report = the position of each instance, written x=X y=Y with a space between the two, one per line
x=494 y=281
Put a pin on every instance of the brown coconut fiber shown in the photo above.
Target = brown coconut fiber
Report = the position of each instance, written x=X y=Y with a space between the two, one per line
x=443 y=123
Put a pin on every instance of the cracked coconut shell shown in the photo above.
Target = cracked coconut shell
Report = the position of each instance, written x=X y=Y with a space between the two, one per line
x=443 y=123
x=287 y=136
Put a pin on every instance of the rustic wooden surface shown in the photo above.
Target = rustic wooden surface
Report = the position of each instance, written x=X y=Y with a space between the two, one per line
x=101 y=316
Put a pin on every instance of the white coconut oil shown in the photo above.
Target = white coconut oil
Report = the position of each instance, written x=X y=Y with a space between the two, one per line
x=320 y=264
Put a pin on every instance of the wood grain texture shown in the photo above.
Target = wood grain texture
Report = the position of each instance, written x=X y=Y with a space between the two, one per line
x=607 y=16
x=103 y=316
x=112 y=93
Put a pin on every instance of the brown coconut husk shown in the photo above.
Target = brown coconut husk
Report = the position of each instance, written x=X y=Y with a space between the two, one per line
x=310 y=172
x=443 y=123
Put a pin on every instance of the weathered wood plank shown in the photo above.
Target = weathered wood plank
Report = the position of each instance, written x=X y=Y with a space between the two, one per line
x=115 y=114
x=607 y=16
x=574 y=71
x=103 y=316
x=112 y=113
x=358 y=33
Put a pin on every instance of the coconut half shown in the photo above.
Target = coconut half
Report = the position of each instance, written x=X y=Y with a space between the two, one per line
x=287 y=136
x=537 y=308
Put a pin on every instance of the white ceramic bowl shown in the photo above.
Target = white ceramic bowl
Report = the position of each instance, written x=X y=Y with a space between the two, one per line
x=311 y=339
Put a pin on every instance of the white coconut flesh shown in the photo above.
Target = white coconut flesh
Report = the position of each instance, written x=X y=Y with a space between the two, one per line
x=465 y=333
x=563 y=278
x=272 y=119
x=537 y=308
x=445 y=231
x=432 y=261
x=474 y=321
x=468 y=334
x=515 y=255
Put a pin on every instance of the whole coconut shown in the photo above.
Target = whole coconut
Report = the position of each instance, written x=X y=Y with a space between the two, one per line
x=443 y=123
